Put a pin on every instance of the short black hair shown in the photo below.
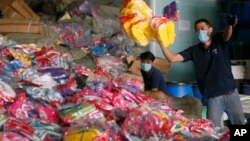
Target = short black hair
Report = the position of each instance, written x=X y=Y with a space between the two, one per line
x=202 y=20
x=147 y=56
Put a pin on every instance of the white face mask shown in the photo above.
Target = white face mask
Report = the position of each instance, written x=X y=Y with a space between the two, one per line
x=202 y=36
x=146 y=67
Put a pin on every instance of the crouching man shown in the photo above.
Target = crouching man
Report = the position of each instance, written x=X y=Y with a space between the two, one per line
x=155 y=87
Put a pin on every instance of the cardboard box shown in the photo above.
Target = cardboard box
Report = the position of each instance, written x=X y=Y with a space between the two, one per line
x=5 y=3
x=24 y=10
x=135 y=68
x=19 y=18
x=19 y=22
x=17 y=9
x=21 y=26
x=9 y=12
x=129 y=59
x=162 y=64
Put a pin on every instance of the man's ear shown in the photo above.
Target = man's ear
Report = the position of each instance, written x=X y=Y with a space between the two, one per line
x=210 y=29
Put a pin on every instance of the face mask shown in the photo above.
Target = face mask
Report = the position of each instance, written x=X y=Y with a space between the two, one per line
x=146 y=67
x=202 y=36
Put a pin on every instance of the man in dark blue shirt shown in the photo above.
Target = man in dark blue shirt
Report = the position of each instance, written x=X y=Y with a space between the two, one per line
x=213 y=71
x=152 y=77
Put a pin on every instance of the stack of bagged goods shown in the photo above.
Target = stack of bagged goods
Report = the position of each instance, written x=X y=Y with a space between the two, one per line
x=42 y=99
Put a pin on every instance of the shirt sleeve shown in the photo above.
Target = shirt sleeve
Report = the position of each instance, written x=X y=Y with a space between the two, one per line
x=219 y=38
x=146 y=86
x=187 y=54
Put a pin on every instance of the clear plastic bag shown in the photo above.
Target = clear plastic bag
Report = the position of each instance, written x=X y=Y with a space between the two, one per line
x=112 y=66
x=72 y=112
x=10 y=135
x=79 y=7
x=7 y=94
x=94 y=120
x=124 y=42
x=73 y=34
x=171 y=11
x=145 y=122
x=105 y=22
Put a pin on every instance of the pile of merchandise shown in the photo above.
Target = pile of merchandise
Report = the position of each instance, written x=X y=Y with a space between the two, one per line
x=46 y=96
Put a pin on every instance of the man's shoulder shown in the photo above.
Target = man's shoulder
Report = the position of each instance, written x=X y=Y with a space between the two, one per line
x=218 y=37
x=196 y=45
x=154 y=69
x=156 y=72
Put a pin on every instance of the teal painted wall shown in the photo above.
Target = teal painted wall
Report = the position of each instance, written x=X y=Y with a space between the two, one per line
x=190 y=10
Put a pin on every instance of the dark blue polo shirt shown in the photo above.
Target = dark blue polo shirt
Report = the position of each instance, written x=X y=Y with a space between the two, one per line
x=212 y=67
x=154 y=79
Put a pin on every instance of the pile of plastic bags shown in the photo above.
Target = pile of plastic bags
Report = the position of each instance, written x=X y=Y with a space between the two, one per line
x=45 y=96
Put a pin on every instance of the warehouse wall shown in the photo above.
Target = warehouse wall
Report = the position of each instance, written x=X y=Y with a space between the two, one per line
x=190 y=11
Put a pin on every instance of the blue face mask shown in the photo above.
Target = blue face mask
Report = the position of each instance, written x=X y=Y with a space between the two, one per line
x=202 y=36
x=146 y=67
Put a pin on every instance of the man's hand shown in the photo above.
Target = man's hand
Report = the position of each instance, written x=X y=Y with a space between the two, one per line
x=232 y=20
